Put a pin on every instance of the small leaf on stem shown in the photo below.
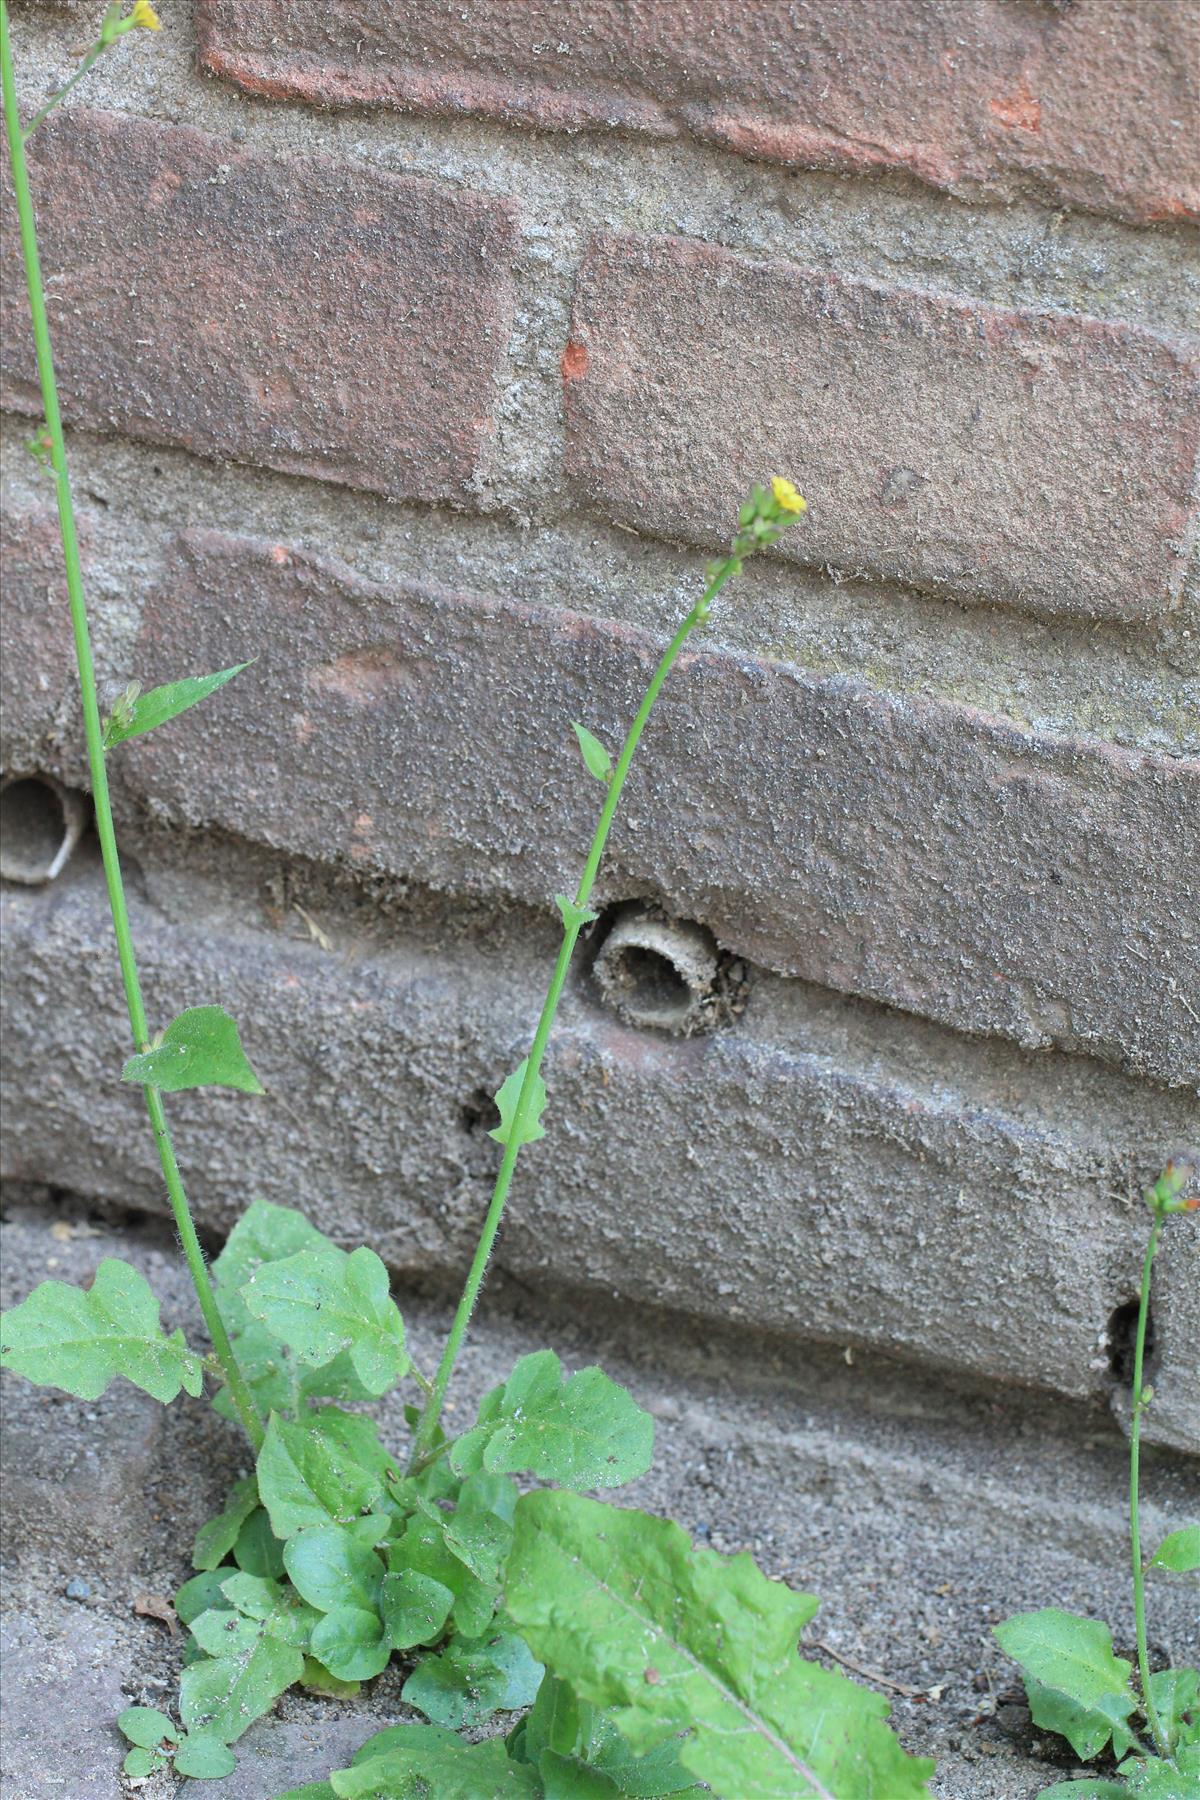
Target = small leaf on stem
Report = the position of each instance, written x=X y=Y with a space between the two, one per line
x=574 y=917
x=506 y=1101
x=201 y=1048
x=136 y=712
x=1179 y=1552
x=597 y=758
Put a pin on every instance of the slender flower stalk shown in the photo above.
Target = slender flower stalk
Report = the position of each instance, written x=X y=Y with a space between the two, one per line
x=761 y=521
x=1164 y=1198
x=93 y=728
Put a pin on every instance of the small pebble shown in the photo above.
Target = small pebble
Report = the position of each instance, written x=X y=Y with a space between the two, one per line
x=77 y=1589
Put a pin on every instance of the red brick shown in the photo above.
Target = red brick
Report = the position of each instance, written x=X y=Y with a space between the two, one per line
x=307 y=315
x=1092 y=103
x=39 y=703
x=1036 y=460
x=910 y=850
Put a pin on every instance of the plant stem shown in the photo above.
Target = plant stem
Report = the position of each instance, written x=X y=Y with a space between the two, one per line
x=423 y=1440
x=93 y=56
x=1135 y=1540
x=93 y=732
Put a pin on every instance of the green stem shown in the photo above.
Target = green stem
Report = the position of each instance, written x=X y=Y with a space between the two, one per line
x=93 y=56
x=423 y=1440
x=93 y=732
x=1135 y=1539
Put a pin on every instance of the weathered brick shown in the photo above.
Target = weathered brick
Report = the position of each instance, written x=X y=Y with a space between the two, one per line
x=912 y=850
x=1036 y=460
x=308 y=315
x=38 y=693
x=817 y=1168
x=1093 y=104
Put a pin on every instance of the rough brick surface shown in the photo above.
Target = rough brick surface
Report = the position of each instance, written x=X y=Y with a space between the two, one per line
x=1093 y=103
x=307 y=315
x=1037 y=460
x=38 y=688
x=914 y=851
x=810 y=1169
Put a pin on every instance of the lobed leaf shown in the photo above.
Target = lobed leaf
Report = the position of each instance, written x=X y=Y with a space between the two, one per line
x=201 y=1048
x=506 y=1100
x=414 y=1762
x=162 y=703
x=1179 y=1552
x=474 y=1678
x=307 y=1477
x=596 y=758
x=216 y=1538
x=223 y=1696
x=666 y=1638
x=578 y=1750
x=1176 y=1696
x=80 y=1339
x=585 y=1432
x=322 y=1303
x=1075 y=1684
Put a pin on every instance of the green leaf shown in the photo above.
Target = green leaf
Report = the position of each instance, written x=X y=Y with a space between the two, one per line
x=351 y=1644
x=222 y=1632
x=415 y=1609
x=145 y=1726
x=1076 y=1686
x=667 y=1638
x=562 y=1735
x=1154 y=1779
x=258 y=1551
x=1085 y=1790
x=583 y=1433
x=323 y=1302
x=140 y=1763
x=573 y=916
x=422 y=1549
x=506 y=1100
x=224 y=1695
x=281 y=1611
x=473 y=1679
x=330 y=1568
x=416 y=1762
x=1176 y=1696
x=479 y=1531
x=201 y=1048
x=81 y=1339
x=163 y=703
x=596 y=757
x=317 y=1677
x=216 y=1538
x=265 y=1233
x=566 y=1778
x=306 y=1478
x=204 y=1757
x=1086 y=1728
x=198 y=1594
x=1180 y=1551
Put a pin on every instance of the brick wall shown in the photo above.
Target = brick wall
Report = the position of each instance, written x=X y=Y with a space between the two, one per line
x=425 y=358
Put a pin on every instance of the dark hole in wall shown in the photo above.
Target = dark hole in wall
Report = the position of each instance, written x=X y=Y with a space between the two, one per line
x=479 y=1113
x=1122 y=1340
x=653 y=981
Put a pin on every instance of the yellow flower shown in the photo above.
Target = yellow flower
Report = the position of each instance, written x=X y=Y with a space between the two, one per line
x=144 y=14
x=785 y=495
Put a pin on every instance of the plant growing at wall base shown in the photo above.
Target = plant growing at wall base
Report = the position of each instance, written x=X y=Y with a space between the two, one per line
x=1075 y=1683
x=638 y=1664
